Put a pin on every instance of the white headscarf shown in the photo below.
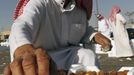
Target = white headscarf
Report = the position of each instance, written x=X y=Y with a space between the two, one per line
x=113 y=12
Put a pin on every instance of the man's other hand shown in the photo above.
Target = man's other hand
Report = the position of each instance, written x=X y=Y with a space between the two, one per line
x=28 y=61
x=103 y=41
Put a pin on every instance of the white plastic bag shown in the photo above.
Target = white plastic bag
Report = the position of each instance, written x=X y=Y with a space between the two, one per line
x=75 y=68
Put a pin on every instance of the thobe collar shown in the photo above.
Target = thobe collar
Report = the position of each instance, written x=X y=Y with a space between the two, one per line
x=60 y=2
x=69 y=7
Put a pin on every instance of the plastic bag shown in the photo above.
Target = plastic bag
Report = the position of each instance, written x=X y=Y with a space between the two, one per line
x=79 y=69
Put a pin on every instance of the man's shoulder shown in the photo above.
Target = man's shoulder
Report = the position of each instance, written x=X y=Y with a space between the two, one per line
x=40 y=1
x=101 y=21
x=118 y=14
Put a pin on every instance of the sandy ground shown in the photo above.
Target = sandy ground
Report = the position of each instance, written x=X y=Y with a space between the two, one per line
x=4 y=58
x=106 y=63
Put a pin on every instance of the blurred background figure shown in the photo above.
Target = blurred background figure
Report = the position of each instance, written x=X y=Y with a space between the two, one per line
x=103 y=26
x=121 y=39
x=105 y=29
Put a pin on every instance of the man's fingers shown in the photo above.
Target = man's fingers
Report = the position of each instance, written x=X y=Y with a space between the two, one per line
x=16 y=67
x=29 y=64
x=7 y=70
x=42 y=61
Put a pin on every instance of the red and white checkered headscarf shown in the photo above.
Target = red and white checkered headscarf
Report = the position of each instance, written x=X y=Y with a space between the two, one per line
x=19 y=8
x=84 y=4
x=113 y=12
x=100 y=17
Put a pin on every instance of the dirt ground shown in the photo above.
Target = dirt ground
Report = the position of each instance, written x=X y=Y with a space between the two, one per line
x=106 y=63
x=4 y=59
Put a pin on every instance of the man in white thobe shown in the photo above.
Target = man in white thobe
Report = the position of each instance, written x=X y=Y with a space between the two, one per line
x=103 y=26
x=121 y=39
x=55 y=26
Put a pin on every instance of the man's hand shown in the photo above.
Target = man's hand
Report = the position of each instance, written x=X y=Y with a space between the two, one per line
x=28 y=61
x=103 y=41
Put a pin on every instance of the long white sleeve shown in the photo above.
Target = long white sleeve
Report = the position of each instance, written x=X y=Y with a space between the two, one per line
x=26 y=25
x=123 y=20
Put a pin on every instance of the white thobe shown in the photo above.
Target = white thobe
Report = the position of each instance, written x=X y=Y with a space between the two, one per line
x=104 y=27
x=45 y=24
x=121 y=40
